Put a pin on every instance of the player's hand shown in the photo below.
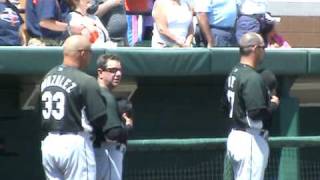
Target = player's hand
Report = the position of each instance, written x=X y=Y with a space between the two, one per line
x=275 y=100
x=128 y=120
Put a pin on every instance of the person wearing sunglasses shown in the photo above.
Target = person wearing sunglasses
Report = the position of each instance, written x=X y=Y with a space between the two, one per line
x=111 y=145
x=72 y=109
x=248 y=105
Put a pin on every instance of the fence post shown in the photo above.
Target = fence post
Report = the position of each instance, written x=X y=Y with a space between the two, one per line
x=289 y=126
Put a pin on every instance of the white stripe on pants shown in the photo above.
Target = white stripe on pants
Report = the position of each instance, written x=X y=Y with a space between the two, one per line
x=109 y=159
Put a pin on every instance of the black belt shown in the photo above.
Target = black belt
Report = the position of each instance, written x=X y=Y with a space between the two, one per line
x=65 y=132
x=256 y=16
x=221 y=28
x=240 y=128
x=262 y=132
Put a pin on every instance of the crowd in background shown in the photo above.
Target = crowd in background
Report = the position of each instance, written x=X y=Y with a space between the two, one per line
x=118 y=23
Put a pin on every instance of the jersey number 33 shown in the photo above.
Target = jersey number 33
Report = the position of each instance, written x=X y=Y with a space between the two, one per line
x=54 y=104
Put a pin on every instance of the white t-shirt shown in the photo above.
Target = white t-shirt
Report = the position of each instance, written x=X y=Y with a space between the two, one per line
x=178 y=20
x=250 y=7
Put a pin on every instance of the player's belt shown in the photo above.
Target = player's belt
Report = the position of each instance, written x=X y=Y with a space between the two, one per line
x=261 y=132
x=64 y=133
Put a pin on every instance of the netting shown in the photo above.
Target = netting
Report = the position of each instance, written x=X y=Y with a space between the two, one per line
x=204 y=159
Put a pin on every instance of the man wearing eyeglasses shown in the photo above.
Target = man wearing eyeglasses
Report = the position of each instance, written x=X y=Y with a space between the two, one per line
x=250 y=109
x=110 y=152
x=72 y=109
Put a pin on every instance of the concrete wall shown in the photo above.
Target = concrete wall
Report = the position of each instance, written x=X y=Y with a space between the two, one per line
x=301 y=31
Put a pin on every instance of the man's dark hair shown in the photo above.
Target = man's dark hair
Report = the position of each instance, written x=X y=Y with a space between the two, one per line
x=103 y=59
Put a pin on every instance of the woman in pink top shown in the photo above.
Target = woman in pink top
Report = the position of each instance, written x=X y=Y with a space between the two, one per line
x=277 y=41
x=173 y=24
x=271 y=36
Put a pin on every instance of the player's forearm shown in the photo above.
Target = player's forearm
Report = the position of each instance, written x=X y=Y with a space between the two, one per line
x=260 y=114
x=99 y=122
x=273 y=107
x=53 y=25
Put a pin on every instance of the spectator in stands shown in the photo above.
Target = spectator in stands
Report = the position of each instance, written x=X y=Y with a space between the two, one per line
x=113 y=16
x=217 y=20
x=277 y=41
x=46 y=23
x=32 y=23
x=10 y=24
x=16 y=3
x=273 y=39
x=94 y=29
x=173 y=25
x=251 y=17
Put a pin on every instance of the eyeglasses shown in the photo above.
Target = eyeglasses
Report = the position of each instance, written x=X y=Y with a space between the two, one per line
x=112 y=70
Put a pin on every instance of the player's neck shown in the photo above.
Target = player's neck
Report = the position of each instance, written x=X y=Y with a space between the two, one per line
x=105 y=86
x=249 y=61
x=71 y=63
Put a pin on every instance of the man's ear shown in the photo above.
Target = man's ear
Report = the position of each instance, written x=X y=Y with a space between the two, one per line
x=99 y=71
x=82 y=53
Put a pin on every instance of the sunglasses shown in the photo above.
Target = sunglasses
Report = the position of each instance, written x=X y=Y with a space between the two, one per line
x=112 y=70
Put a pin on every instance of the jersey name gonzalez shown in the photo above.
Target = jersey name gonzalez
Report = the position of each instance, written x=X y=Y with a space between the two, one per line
x=59 y=81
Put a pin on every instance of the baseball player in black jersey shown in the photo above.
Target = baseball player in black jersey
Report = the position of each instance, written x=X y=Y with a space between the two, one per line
x=109 y=156
x=249 y=108
x=72 y=108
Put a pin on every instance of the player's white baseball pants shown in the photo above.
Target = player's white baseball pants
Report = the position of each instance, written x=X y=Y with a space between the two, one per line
x=249 y=152
x=68 y=157
x=109 y=159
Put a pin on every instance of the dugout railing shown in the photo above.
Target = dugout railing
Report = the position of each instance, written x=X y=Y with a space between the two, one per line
x=177 y=96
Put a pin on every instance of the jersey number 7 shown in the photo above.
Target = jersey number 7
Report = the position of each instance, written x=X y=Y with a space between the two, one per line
x=231 y=94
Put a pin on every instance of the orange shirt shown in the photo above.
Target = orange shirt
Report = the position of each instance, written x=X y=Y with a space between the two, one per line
x=138 y=6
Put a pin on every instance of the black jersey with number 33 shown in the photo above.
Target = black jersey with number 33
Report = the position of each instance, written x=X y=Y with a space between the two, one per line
x=245 y=91
x=68 y=96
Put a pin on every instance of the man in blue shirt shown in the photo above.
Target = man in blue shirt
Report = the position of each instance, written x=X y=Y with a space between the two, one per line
x=10 y=23
x=217 y=19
